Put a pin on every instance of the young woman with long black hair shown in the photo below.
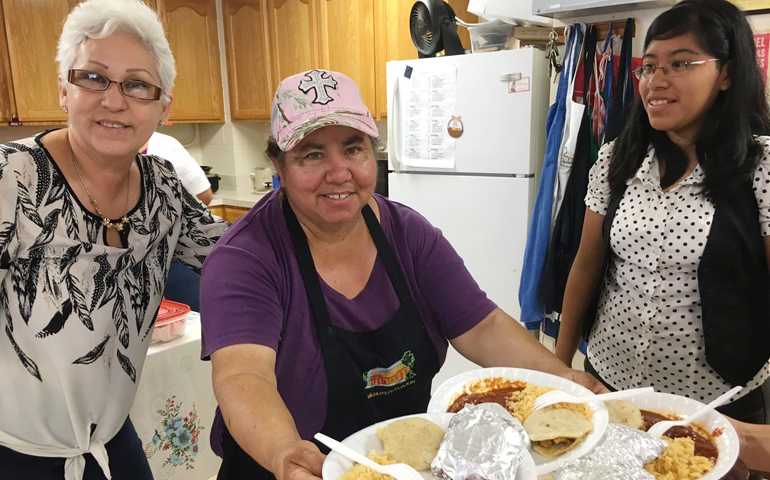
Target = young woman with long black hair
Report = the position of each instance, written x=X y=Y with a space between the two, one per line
x=671 y=284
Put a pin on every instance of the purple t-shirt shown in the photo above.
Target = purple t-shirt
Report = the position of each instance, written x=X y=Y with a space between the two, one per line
x=254 y=294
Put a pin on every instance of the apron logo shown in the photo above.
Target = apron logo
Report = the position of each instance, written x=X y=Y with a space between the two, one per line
x=399 y=372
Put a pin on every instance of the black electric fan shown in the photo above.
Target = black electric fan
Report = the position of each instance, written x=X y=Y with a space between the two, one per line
x=433 y=27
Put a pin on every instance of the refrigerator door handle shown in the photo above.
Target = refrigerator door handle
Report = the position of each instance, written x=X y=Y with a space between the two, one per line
x=393 y=131
x=510 y=77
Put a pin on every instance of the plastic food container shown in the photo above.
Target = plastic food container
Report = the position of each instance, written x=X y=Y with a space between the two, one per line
x=491 y=37
x=171 y=322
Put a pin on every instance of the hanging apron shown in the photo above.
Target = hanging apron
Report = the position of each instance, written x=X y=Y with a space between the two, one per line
x=371 y=376
x=538 y=237
x=603 y=72
x=573 y=119
x=625 y=91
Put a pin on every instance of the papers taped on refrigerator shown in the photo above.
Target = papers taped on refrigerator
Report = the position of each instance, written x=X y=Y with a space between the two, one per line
x=428 y=99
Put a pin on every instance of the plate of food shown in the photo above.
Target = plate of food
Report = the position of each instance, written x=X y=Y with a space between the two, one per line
x=384 y=446
x=705 y=450
x=558 y=433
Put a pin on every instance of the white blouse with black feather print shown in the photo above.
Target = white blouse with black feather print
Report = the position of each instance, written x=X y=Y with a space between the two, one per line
x=76 y=314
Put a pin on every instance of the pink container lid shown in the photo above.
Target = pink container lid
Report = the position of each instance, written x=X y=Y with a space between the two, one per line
x=171 y=311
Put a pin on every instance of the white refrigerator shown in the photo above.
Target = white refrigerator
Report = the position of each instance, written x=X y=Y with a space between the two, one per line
x=478 y=188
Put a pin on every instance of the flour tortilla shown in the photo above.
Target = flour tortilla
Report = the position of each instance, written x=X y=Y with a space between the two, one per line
x=556 y=431
x=413 y=441
x=625 y=413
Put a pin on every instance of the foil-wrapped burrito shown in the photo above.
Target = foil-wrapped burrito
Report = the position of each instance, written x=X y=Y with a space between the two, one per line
x=482 y=442
x=621 y=455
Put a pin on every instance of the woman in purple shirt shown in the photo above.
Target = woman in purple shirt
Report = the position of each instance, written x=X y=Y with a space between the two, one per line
x=329 y=308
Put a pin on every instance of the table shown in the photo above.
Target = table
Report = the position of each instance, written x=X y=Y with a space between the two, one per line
x=174 y=408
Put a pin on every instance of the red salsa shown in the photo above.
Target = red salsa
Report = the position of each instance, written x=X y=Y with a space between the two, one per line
x=704 y=446
x=488 y=390
x=498 y=396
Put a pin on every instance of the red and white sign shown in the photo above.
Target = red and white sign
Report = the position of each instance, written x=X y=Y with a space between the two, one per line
x=518 y=86
x=761 y=42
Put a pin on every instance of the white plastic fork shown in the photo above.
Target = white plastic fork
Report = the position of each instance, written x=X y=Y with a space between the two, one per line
x=662 y=427
x=557 y=396
x=399 y=471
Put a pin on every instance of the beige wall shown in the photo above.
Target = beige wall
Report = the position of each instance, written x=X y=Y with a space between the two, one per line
x=9 y=134
x=234 y=150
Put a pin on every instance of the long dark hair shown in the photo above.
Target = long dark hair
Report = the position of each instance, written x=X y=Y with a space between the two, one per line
x=726 y=149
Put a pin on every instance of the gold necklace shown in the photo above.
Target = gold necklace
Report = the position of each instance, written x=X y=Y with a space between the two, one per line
x=105 y=221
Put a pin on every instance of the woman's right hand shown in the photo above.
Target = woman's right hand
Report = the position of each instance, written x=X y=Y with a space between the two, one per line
x=298 y=460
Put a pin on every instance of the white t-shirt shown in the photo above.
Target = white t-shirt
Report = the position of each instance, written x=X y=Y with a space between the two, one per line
x=187 y=169
x=649 y=327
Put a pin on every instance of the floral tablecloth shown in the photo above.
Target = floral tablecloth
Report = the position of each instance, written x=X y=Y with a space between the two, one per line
x=174 y=408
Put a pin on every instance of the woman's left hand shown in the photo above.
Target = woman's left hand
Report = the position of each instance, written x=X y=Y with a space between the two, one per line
x=585 y=379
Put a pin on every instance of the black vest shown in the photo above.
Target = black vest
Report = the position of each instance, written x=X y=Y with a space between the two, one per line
x=734 y=287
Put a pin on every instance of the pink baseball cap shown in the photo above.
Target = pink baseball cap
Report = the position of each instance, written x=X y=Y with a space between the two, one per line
x=314 y=99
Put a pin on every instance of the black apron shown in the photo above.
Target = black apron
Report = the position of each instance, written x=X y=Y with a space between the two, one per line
x=371 y=376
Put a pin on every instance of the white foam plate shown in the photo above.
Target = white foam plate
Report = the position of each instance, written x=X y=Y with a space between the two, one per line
x=449 y=390
x=366 y=440
x=727 y=442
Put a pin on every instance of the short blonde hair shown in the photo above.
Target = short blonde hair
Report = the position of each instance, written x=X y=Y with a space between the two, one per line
x=96 y=19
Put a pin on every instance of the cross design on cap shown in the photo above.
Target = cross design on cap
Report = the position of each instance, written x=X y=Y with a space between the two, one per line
x=318 y=83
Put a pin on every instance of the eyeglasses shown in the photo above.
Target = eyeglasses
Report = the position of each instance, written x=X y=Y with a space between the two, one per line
x=129 y=88
x=673 y=69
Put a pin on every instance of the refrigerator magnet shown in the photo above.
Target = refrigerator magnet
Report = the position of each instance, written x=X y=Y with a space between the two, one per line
x=455 y=127
x=517 y=86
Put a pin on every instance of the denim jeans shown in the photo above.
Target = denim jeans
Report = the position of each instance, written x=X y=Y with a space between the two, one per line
x=183 y=286
x=127 y=461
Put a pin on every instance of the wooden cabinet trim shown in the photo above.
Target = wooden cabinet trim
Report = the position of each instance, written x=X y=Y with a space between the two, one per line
x=229 y=213
x=201 y=8
x=7 y=99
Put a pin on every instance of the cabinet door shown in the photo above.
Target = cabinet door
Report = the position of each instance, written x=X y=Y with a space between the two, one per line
x=218 y=210
x=7 y=103
x=191 y=28
x=232 y=214
x=347 y=42
x=394 y=41
x=33 y=56
x=294 y=31
x=249 y=69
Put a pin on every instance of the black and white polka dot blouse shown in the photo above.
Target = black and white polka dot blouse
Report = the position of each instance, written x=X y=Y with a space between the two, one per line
x=649 y=329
